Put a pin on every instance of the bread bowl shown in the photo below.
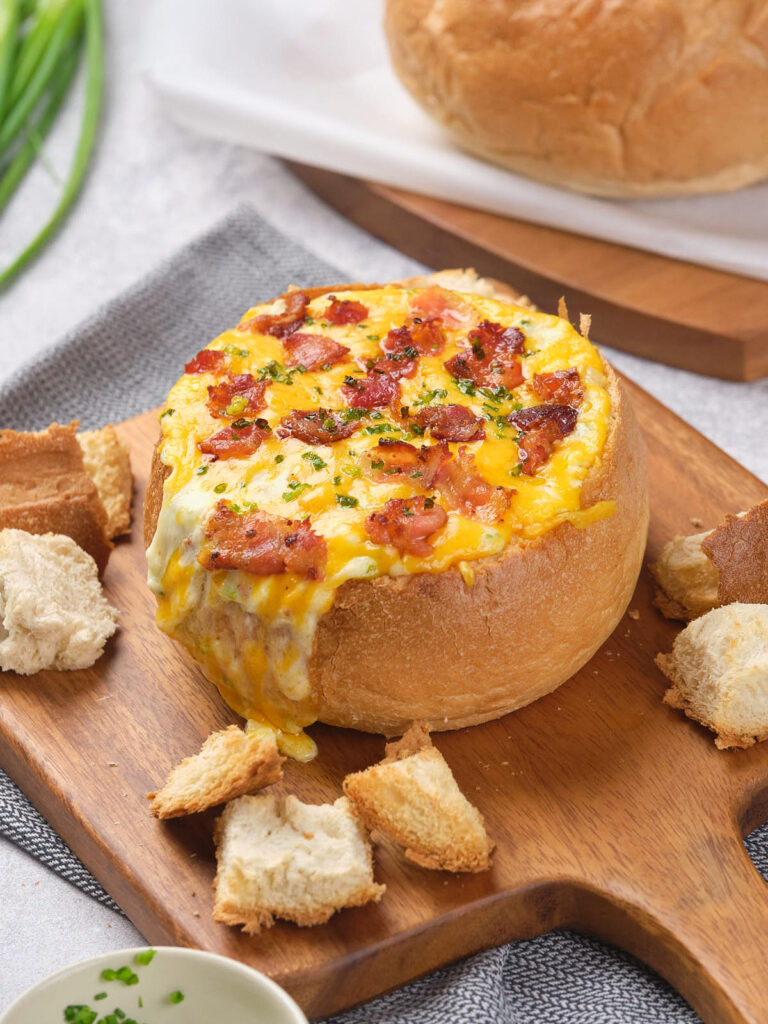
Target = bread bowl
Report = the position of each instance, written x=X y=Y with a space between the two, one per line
x=507 y=594
x=649 y=98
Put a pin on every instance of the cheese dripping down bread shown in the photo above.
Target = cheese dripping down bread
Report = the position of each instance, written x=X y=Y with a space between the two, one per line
x=371 y=505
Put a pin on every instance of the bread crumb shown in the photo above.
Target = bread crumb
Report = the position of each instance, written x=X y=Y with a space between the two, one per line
x=633 y=613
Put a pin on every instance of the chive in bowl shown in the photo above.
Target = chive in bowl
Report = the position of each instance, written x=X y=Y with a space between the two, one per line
x=168 y=985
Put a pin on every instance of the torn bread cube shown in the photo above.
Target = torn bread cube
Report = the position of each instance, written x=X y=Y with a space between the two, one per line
x=686 y=577
x=44 y=488
x=53 y=614
x=108 y=463
x=279 y=857
x=413 y=797
x=231 y=763
x=718 y=668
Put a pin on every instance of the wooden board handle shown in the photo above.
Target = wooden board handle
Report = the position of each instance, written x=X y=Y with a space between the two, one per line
x=704 y=928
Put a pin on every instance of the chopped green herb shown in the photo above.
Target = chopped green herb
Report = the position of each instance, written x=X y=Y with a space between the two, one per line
x=141 y=1001
x=315 y=460
x=309 y=321
x=233 y=350
x=127 y=976
x=108 y=974
x=294 y=490
x=362 y=327
x=415 y=473
x=336 y=481
x=353 y=471
x=377 y=464
x=168 y=412
x=376 y=415
x=201 y=470
x=516 y=470
x=429 y=396
x=525 y=321
x=80 y=1014
x=530 y=352
x=381 y=428
x=238 y=405
x=346 y=501
x=220 y=488
x=373 y=337
x=120 y=1014
x=176 y=997
x=229 y=590
x=100 y=995
x=279 y=458
x=354 y=414
x=277 y=372
x=466 y=387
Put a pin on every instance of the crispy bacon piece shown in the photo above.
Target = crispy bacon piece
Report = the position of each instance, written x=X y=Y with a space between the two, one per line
x=280 y=325
x=541 y=426
x=416 y=337
x=313 y=350
x=407 y=524
x=317 y=426
x=372 y=391
x=561 y=386
x=262 y=544
x=493 y=359
x=208 y=361
x=345 y=311
x=399 y=459
x=451 y=423
x=462 y=487
x=230 y=393
x=437 y=302
x=237 y=441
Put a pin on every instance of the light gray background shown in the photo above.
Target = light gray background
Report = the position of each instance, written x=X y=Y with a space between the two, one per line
x=155 y=186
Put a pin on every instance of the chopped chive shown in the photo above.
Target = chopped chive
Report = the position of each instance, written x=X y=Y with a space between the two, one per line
x=201 y=470
x=100 y=995
x=336 y=481
x=346 y=501
x=146 y=956
x=294 y=490
x=279 y=458
x=233 y=350
x=108 y=974
x=315 y=460
x=168 y=412
x=176 y=997
x=220 y=488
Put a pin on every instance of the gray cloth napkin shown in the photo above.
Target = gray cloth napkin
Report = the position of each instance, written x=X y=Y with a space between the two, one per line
x=121 y=362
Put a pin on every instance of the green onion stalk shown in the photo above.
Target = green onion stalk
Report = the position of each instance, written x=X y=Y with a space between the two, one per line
x=41 y=44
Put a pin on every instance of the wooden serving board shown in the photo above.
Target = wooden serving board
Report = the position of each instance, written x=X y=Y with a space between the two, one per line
x=613 y=814
x=675 y=312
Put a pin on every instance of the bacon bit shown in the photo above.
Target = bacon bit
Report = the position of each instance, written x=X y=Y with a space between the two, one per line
x=541 y=426
x=371 y=392
x=345 y=311
x=242 y=386
x=493 y=359
x=317 y=426
x=313 y=350
x=407 y=524
x=208 y=361
x=280 y=325
x=561 y=386
x=262 y=544
x=437 y=302
x=239 y=440
x=398 y=458
x=451 y=423
x=463 y=488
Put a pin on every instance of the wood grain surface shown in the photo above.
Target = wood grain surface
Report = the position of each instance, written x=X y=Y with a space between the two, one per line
x=675 y=312
x=613 y=813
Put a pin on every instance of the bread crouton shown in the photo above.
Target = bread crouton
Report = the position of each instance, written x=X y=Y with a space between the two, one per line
x=686 y=577
x=44 y=488
x=738 y=550
x=278 y=857
x=413 y=797
x=108 y=463
x=230 y=764
x=718 y=668
x=53 y=614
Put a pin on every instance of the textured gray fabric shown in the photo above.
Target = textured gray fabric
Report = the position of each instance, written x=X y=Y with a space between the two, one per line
x=121 y=362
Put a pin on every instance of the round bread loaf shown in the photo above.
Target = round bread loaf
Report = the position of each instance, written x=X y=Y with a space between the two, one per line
x=649 y=98
x=497 y=603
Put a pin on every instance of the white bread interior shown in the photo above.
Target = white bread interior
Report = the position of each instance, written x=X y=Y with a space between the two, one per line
x=413 y=797
x=718 y=668
x=279 y=857
x=230 y=763
x=686 y=577
x=648 y=98
x=53 y=614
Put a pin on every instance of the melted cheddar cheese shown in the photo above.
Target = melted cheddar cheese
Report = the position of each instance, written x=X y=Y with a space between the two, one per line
x=264 y=675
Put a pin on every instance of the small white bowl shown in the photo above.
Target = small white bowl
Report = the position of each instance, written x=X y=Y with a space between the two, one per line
x=215 y=988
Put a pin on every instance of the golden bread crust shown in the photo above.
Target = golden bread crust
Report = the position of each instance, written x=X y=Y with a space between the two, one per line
x=738 y=548
x=627 y=99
